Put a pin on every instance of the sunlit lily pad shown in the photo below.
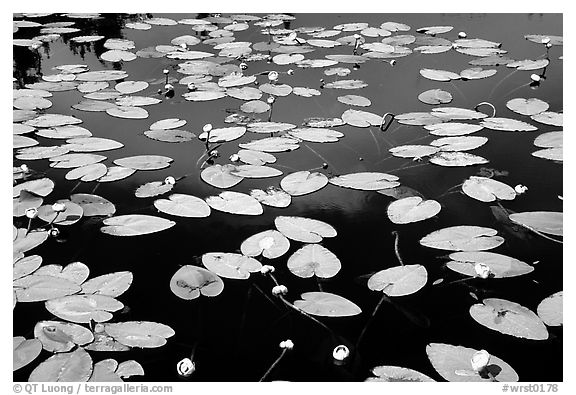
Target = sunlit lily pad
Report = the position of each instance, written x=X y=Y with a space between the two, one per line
x=365 y=181
x=25 y=266
x=530 y=106
x=459 y=143
x=435 y=96
x=269 y=127
x=463 y=238
x=25 y=241
x=550 y=140
x=302 y=229
x=153 y=188
x=59 y=336
x=87 y=173
x=83 y=308
x=303 y=182
x=220 y=176
x=501 y=266
x=418 y=118
x=255 y=107
x=102 y=75
x=453 y=363
x=40 y=152
x=230 y=265
x=326 y=304
x=550 y=309
x=24 y=351
x=548 y=222
x=272 y=196
x=346 y=84
x=235 y=203
x=116 y=173
x=76 y=272
x=183 y=206
x=272 y=144
x=129 y=87
x=452 y=129
x=257 y=158
x=399 y=280
x=72 y=214
x=34 y=288
x=439 y=75
x=191 y=281
x=170 y=136
x=529 y=64
x=487 y=189
x=398 y=374
x=457 y=113
x=111 y=284
x=40 y=187
x=142 y=334
x=52 y=120
x=116 y=55
x=305 y=92
x=314 y=260
x=269 y=243
x=509 y=318
x=413 y=151
x=92 y=144
x=412 y=209
x=457 y=159
x=555 y=154
x=507 y=125
x=279 y=90
x=144 y=162
x=254 y=171
x=127 y=112
x=135 y=225
x=73 y=366
x=549 y=118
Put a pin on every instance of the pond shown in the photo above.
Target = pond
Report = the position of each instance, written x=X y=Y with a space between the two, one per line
x=371 y=275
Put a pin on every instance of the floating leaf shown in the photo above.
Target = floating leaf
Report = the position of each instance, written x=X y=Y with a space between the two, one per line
x=270 y=244
x=25 y=202
x=326 y=304
x=507 y=125
x=235 y=203
x=555 y=154
x=459 y=143
x=142 y=334
x=435 y=96
x=272 y=196
x=170 y=136
x=92 y=144
x=457 y=113
x=253 y=171
x=220 y=176
x=400 y=192
x=548 y=222
x=129 y=87
x=153 y=188
x=365 y=181
x=84 y=308
x=25 y=265
x=269 y=127
x=183 y=206
x=144 y=162
x=35 y=153
x=346 y=84
x=40 y=187
x=65 y=367
x=72 y=213
x=316 y=135
x=529 y=64
x=433 y=30
x=439 y=75
x=52 y=120
x=305 y=92
x=25 y=241
x=418 y=118
x=528 y=107
x=111 y=284
x=135 y=225
x=230 y=265
x=76 y=272
x=463 y=238
x=476 y=73
x=24 y=351
x=35 y=288
x=102 y=75
x=398 y=374
x=549 y=140
x=549 y=118
x=303 y=229
x=224 y=134
x=255 y=107
x=191 y=281
x=256 y=158
x=509 y=318
x=314 y=260
x=412 y=209
x=399 y=280
x=244 y=93
x=127 y=112
x=361 y=119
x=453 y=363
x=487 y=189
x=303 y=182
x=413 y=151
x=69 y=161
x=501 y=266
x=57 y=336
x=550 y=309
x=87 y=173
x=116 y=173
x=451 y=159
x=272 y=144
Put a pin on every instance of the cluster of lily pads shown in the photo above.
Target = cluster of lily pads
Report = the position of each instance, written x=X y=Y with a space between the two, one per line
x=85 y=306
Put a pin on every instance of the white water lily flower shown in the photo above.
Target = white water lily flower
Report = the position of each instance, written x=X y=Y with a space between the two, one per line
x=273 y=76
x=340 y=353
x=270 y=100
x=24 y=168
x=535 y=77
x=58 y=207
x=287 y=344
x=169 y=87
x=234 y=158
x=520 y=189
x=279 y=290
x=165 y=71
x=186 y=367
x=482 y=270
x=267 y=269
x=169 y=180
x=462 y=35
x=207 y=127
x=31 y=213
x=480 y=360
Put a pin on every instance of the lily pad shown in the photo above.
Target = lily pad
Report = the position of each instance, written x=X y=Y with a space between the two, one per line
x=365 y=181
x=65 y=367
x=40 y=187
x=528 y=107
x=413 y=151
x=235 y=203
x=111 y=284
x=76 y=272
x=399 y=280
x=316 y=135
x=303 y=229
x=501 y=266
x=230 y=265
x=189 y=282
x=116 y=173
x=435 y=96
x=314 y=260
x=24 y=351
x=548 y=222
x=550 y=140
x=412 y=209
x=549 y=118
x=555 y=154
x=463 y=238
x=35 y=288
x=487 y=189
x=457 y=159
x=398 y=374
x=269 y=243
x=153 y=188
x=272 y=144
x=220 y=176
x=57 y=336
x=439 y=75
x=550 y=309
x=303 y=182
x=72 y=213
x=253 y=171
x=84 y=308
x=361 y=119
x=325 y=304
x=459 y=143
x=127 y=112
x=144 y=162
x=183 y=206
x=170 y=136
x=87 y=173
x=142 y=334
x=507 y=125
x=92 y=144
x=269 y=127
x=135 y=225
x=509 y=318
x=272 y=196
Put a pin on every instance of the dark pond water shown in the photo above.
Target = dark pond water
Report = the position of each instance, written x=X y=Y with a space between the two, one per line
x=237 y=333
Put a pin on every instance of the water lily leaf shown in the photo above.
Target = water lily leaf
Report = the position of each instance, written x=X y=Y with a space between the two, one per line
x=548 y=222
x=555 y=154
x=413 y=151
x=25 y=265
x=528 y=64
x=457 y=113
x=104 y=371
x=451 y=159
x=463 y=238
x=25 y=241
x=129 y=368
x=230 y=265
x=64 y=132
x=153 y=188
x=23 y=142
x=92 y=144
x=40 y=187
x=501 y=266
x=183 y=206
x=220 y=176
x=305 y=92
x=487 y=189
x=507 y=125
x=339 y=71
x=144 y=162
x=476 y=73
x=433 y=30
x=323 y=43
x=549 y=140
x=127 y=112
x=119 y=44
x=435 y=96
x=142 y=334
x=57 y=336
x=116 y=55
x=87 y=173
x=509 y=318
x=303 y=182
x=271 y=144
x=31 y=103
x=550 y=309
x=105 y=94
x=452 y=129
x=254 y=171
x=191 y=281
x=169 y=123
x=549 y=118
x=418 y=118
x=124 y=102
x=76 y=272
x=399 y=280
x=235 y=80
x=72 y=214
x=365 y=181
x=90 y=87
x=279 y=90
x=354 y=100
x=431 y=49
x=346 y=84
x=269 y=243
x=439 y=75
x=25 y=201
x=52 y=120
x=316 y=135
x=135 y=225
x=244 y=93
x=255 y=107
x=541 y=39
x=116 y=173
x=111 y=284
x=36 y=153
x=400 y=192
x=398 y=374
x=269 y=127
x=459 y=143
x=494 y=58
x=326 y=304
x=453 y=363
x=323 y=122
x=82 y=309
x=102 y=75
x=35 y=288
x=64 y=367
x=529 y=107
x=24 y=351
x=256 y=158
x=412 y=209
x=170 y=136
x=272 y=196
x=302 y=229
x=235 y=203
x=314 y=260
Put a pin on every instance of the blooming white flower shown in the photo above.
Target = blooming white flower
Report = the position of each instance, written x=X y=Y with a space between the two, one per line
x=480 y=360
x=24 y=168
x=207 y=127
x=279 y=290
x=273 y=76
x=482 y=270
x=287 y=344
x=165 y=71
x=462 y=35
x=169 y=180
x=535 y=77
x=169 y=87
x=340 y=352
x=186 y=367
x=520 y=189
x=270 y=100
x=58 y=207
x=267 y=269
x=31 y=213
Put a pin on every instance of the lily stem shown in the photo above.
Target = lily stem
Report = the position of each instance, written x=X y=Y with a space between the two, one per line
x=396 y=250
x=382 y=299
x=276 y=362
